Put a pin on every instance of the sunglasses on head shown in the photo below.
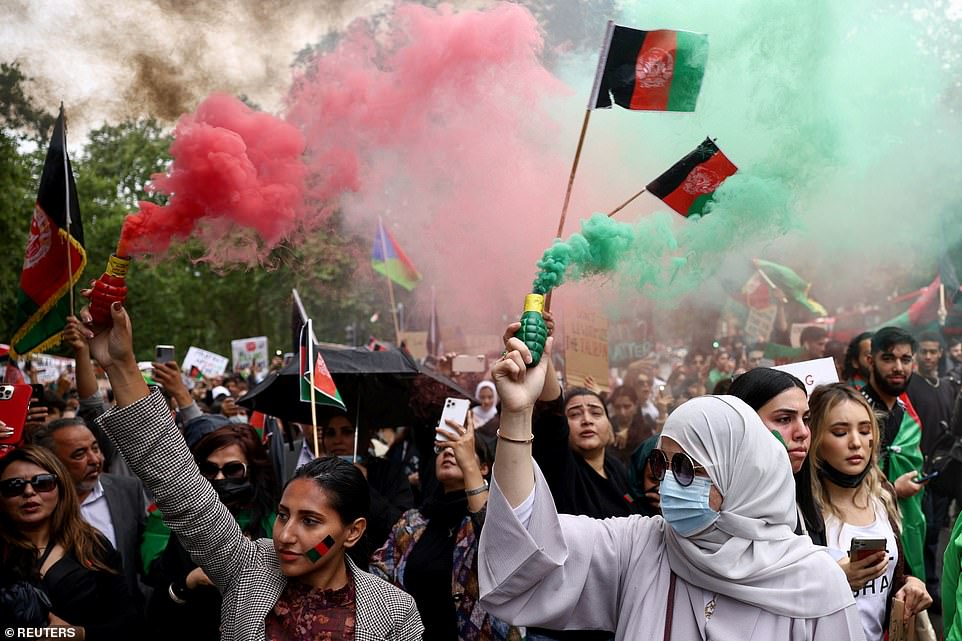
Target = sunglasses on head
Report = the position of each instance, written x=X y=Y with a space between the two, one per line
x=682 y=467
x=231 y=470
x=40 y=483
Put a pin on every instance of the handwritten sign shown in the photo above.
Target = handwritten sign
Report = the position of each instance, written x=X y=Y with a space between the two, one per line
x=586 y=347
x=820 y=371
x=209 y=363
x=248 y=352
x=758 y=327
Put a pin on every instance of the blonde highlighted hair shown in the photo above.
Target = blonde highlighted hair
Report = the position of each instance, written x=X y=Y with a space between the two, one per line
x=822 y=403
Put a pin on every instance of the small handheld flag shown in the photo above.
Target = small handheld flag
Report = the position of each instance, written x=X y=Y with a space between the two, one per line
x=319 y=550
x=312 y=363
x=650 y=70
x=688 y=186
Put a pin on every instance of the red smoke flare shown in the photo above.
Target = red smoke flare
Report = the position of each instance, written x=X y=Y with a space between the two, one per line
x=235 y=173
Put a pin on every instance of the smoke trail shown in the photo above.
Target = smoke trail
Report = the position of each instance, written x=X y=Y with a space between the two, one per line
x=236 y=180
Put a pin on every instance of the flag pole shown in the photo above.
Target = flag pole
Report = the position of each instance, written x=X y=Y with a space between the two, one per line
x=310 y=364
x=592 y=102
x=66 y=182
x=357 y=423
x=390 y=285
x=943 y=312
x=771 y=284
x=626 y=203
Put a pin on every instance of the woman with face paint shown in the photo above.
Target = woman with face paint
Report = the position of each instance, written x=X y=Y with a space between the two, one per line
x=722 y=563
x=855 y=501
x=185 y=602
x=297 y=585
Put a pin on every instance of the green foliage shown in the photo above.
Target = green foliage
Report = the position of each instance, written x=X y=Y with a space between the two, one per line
x=176 y=300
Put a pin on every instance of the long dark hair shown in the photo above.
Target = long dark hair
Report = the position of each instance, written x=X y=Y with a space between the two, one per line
x=851 y=355
x=260 y=471
x=345 y=486
x=760 y=385
x=76 y=536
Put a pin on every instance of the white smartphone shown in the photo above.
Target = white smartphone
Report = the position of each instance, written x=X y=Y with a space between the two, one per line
x=455 y=409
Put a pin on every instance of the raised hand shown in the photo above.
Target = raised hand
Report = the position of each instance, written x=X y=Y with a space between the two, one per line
x=518 y=386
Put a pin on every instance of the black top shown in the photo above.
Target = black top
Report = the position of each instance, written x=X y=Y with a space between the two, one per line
x=97 y=600
x=391 y=497
x=933 y=403
x=430 y=566
x=890 y=421
x=577 y=488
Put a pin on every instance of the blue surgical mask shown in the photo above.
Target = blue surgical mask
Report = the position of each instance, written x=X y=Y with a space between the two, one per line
x=686 y=508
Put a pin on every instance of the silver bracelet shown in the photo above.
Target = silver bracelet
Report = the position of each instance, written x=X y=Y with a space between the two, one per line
x=173 y=597
x=477 y=490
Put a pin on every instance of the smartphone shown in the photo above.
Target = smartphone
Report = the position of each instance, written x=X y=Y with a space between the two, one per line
x=455 y=409
x=862 y=548
x=468 y=363
x=164 y=354
x=926 y=477
x=37 y=391
x=14 y=403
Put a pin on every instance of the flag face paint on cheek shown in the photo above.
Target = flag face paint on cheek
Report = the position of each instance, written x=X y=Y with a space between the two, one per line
x=319 y=550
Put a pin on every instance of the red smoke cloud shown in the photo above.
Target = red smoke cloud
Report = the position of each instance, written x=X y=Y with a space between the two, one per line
x=234 y=171
x=435 y=120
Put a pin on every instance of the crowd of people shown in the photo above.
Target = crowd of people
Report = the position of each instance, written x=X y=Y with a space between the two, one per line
x=705 y=497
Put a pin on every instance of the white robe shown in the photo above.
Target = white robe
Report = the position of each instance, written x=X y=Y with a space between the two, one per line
x=574 y=572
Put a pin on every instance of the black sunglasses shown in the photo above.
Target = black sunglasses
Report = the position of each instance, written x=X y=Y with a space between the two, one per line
x=682 y=467
x=231 y=470
x=40 y=483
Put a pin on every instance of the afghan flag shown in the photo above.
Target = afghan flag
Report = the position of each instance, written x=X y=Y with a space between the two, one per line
x=688 y=186
x=790 y=283
x=55 y=255
x=389 y=259
x=923 y=311
x=650 y=70
x=312 y=364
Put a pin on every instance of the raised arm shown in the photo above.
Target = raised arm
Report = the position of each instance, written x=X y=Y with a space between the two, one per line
x=518 y=387
x=143 y=430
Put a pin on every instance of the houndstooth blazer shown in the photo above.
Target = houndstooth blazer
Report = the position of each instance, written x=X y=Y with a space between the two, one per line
x=246 y=572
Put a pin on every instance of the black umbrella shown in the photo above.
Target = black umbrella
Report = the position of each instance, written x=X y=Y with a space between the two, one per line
x=380 y=389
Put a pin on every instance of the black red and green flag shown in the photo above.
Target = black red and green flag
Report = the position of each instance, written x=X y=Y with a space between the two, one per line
x=688 y=186
x=650 y=70
x=55 y=255
x=312 y=366
x=318 y=551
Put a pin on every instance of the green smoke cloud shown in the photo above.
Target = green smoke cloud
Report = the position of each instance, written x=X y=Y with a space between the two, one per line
x=842 y=118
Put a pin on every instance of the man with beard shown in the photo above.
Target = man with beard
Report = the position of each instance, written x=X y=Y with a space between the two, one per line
x=933 y=397
x=890 y=368
x=114 y=505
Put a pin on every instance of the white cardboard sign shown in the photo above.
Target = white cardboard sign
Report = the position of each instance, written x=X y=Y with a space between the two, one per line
x=209 y=363
x=820 y=371
x=248 y=352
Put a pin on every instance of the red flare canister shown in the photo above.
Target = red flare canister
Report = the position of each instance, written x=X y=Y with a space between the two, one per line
x=111 y=287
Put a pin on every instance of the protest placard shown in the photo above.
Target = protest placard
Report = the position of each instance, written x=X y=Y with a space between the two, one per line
x=586 y=347
x=820 y=371
x=208 y=363
x=416 y=343
x=248 y=352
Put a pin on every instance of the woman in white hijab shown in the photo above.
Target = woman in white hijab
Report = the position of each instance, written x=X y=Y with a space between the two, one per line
x=487 y=394
x=723 y=564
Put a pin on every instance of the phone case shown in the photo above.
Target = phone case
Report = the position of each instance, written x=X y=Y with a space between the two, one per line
x=862 y=548
x=455 y=409
x=14 y=402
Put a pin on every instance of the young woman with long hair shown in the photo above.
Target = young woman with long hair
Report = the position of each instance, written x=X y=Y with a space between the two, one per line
x=855 y=501
x=45 y=543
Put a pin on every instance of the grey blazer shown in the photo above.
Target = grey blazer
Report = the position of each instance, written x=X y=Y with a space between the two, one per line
x=246 y=572
x=128 y=512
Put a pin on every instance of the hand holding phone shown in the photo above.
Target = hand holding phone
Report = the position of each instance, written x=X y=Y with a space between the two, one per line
x=14 y=401
x=455 y=409
x=925 y=478
x=864 y=548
